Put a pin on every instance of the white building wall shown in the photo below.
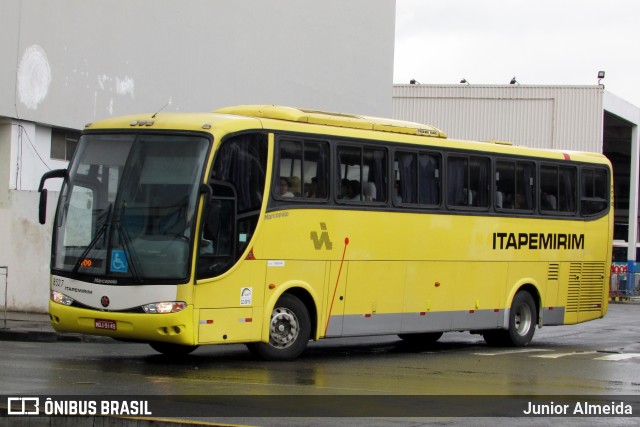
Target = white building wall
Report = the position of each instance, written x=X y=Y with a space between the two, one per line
x=70 y=62
x=631 y=114
x=567 y=117
x=26 y=250
x=29 y=159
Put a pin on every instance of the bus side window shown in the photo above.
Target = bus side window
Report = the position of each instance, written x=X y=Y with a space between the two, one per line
x=515 y=185
x=457 y=181
x=315 y=170
x=417 y=178
x=594 y=191
x=429 y=179
x=505 y=184
x=374 y=184
x=406 y=185
x=558 y=188
x=468 y=181
x=567 y=189
x=305 y=167
x=362 y=174
x=548 y=188
x=290 y=167
x=525 y=186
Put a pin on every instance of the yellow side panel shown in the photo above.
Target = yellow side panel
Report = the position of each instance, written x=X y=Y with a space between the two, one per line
x=375 y=287
x=226 y=291
x=226 y=325
x=521 y=273
x=335 y=299
x=429 y=286
x=283 y=275
x=479 y=286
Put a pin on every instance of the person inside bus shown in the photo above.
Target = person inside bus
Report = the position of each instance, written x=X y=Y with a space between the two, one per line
x=355 y=190
x=548 y=201
x=295 y=186
x=369 y=191
x=284 y=188
x=345 y=189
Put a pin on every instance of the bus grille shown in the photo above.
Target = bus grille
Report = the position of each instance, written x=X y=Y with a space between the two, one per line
x=586 y=287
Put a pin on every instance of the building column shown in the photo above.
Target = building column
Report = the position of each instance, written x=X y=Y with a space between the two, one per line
x=632 y=238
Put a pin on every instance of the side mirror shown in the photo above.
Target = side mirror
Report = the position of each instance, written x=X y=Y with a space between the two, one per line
x=42 y=208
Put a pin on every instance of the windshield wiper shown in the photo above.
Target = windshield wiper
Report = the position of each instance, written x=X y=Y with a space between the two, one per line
x=93 y=242
x=129 y=249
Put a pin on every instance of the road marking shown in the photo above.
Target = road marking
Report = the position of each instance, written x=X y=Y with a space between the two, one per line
x=523 y=350
x=610 y=357
x=558 y=355
x=622 y=356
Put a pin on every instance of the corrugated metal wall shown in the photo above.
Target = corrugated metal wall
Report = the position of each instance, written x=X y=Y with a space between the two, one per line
x=561 y=117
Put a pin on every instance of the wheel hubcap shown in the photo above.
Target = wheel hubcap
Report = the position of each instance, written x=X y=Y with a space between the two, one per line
x=284 y=327
x=523 y=319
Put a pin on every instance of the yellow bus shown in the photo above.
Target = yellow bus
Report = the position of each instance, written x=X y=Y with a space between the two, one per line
x=273 y=226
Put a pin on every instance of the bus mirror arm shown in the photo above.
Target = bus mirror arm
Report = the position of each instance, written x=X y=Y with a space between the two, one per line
x=42 y=207
x=207 y=191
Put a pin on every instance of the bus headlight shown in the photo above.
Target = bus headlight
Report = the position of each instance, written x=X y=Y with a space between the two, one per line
x=61 y=298
x=164 y=307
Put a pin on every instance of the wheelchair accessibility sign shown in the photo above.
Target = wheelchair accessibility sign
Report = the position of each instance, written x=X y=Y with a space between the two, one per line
x=119 y=262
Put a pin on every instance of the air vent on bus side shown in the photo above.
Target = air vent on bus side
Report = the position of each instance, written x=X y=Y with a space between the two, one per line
x=585 y=290
x=333 y=119
x=553 y=273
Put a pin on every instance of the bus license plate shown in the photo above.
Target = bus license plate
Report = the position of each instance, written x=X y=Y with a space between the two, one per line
x=105 y=324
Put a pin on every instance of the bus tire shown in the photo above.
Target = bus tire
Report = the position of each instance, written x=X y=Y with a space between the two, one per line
x=523 y=318
x=172 y=349
x=289 y=331
x=421 y=338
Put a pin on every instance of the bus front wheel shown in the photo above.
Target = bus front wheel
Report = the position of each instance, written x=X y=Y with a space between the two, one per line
x=522 y=323
x=289 y=331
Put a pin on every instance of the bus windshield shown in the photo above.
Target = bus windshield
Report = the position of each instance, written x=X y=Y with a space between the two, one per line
x=127 y=210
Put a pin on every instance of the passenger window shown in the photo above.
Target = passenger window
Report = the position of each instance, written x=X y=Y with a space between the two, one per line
x=288 y=181
x=303 y=170
x=468 y=181
x=417 y=179
x=594 y=196
x=515 y=185
x=558 y=189
x=362 y=175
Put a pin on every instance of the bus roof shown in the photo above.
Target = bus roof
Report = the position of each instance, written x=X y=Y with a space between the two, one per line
x=238 y=118
x=332 y=119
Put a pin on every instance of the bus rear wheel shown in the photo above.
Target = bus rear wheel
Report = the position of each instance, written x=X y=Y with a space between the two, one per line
x=289 y=331
x=172 y=349
x=522 y=323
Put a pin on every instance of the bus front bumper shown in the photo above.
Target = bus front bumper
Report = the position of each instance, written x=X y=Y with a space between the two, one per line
x=176 y=328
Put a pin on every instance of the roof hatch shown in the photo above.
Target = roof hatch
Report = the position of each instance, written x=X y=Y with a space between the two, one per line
x=333 y=119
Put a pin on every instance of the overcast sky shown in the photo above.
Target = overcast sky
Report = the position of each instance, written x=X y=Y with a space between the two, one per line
x=558 y=42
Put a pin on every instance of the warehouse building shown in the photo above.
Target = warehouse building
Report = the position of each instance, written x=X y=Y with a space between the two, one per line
x=580 y=118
